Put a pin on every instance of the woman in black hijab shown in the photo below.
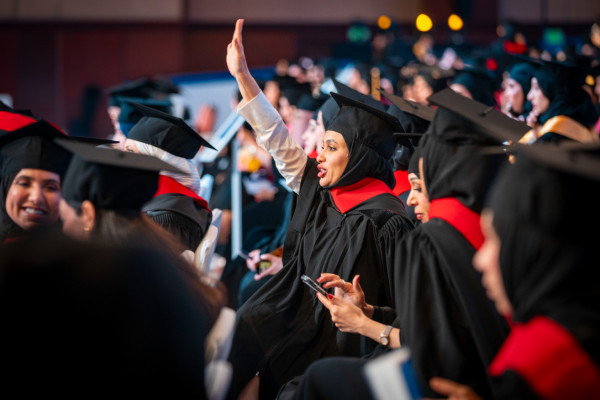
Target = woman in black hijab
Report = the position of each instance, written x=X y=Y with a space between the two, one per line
x=517 y=86
x=540 y=266
x=562 y=109
x=343 y=218
x=442 y=312
x=32 y=167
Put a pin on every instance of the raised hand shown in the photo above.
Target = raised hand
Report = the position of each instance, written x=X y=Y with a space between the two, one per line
x=236 y=59
x=236 y=63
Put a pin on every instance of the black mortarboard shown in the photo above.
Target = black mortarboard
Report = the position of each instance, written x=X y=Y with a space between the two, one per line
x=369 y=136
x=411 y=107
x=111 y=179
x=347 y=91
x=32 y=146
x=483 y=118
x=166 y=132
x=309 y=102
x=480 y=83
x=129 y=115
x=140 y=88
x=294 y=92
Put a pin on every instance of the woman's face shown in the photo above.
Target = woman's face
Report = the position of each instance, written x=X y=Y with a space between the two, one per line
x=332 y=159
x=417 y=198
x=539 y=101
x=73 y=222
x=487 y=261
x=33 y=198
x=421 y=90
x=514 y=96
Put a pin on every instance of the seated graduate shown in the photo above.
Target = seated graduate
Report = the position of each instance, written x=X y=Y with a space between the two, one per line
x=516 y=87
x=415 y=119
x=540 y=267
x=476 y=83
x=343 y=218
x=442 y=313
x=561 y=108
x=32 y=167
x=91 y=319
x=176 y=206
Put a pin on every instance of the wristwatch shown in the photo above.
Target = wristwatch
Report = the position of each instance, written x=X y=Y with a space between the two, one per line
x=384 y=337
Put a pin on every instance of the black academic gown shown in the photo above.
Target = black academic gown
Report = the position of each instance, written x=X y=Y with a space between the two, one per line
x=446 y=319
x=283 y=327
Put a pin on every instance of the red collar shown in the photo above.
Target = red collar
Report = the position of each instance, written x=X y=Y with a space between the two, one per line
x=402 y=182
x=346 y=198
x=460 y=217
x=549 y=359
x=313 y=154
x=10 y=121
x=169 y=185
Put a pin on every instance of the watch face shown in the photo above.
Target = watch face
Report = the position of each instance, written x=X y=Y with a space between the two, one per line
x=384 y=341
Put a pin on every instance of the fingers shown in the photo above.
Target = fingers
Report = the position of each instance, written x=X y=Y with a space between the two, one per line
x=328 y=303
x=237 y=34
x=453 y=389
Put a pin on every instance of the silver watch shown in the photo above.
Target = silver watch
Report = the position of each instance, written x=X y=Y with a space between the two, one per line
x=384 y=337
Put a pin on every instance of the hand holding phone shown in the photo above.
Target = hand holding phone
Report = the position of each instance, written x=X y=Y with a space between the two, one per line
x=314 y=285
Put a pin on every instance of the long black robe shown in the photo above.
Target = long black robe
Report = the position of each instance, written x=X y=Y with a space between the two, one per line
x=283 y=327
x=446 y=319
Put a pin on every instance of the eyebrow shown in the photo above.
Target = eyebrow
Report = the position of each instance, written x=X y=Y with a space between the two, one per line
x=330 y=141
x=31 y=179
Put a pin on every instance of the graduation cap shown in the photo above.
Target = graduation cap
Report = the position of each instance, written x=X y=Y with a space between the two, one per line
x=111 y=179
x=140 y=88
x=410 y=107
x=580 y=159
x=370 y=125
x=347 y=91
x=479 y=82
x=32 y=146
x=484 y=118
x=129 y=115
x=167 y=132
x=309 y=102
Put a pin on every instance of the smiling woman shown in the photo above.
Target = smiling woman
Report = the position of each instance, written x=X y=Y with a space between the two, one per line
x=32 y=167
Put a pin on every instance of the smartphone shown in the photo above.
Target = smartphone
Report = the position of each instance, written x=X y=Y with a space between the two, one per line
x=244 y=254
x=314 y=285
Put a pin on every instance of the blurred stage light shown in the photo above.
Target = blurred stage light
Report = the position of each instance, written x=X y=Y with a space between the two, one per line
x=455 y=22
x=384 y=22
x=424 y=23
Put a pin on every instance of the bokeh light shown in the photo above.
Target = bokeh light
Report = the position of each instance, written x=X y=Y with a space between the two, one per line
x=424 y=23
x=455 y=22
x=384 y=22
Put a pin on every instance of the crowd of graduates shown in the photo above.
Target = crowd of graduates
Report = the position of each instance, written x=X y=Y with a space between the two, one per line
x=443 y=197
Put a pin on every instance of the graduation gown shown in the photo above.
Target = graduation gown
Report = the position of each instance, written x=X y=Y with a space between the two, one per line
x=446 y=319
x=283 y=327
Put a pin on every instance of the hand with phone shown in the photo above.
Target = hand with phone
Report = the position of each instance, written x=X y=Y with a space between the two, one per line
x=269 y=264
x=314 y=285
x=350 y=292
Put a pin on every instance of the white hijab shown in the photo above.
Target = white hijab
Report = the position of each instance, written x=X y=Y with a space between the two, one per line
x=191 y=179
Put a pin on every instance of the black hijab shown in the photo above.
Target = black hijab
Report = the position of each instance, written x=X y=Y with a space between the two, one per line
x=522 y=73
x=35 y=152
x=369 y=136
x=453 y=164
x=549 y=261
x=479 y=83
x=563 y=84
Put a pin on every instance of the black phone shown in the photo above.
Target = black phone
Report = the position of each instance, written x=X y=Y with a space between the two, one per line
x=314 y=285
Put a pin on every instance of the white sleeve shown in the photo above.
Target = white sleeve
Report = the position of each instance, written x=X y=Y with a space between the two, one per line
x=273 y=136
